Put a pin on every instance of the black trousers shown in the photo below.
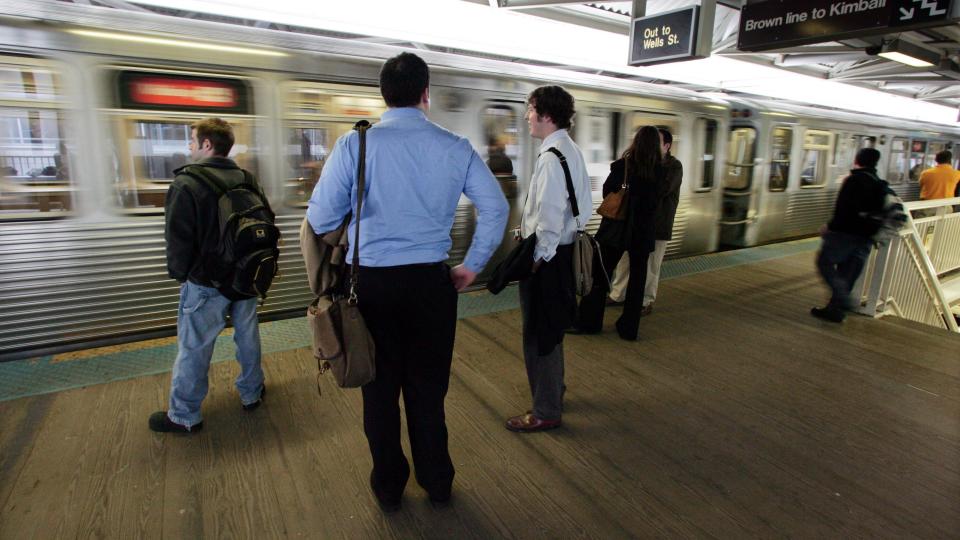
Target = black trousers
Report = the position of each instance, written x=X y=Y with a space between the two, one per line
x=411 y=312
x=592 y=306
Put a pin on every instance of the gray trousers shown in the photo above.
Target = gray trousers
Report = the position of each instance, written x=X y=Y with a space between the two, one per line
x=545 y=373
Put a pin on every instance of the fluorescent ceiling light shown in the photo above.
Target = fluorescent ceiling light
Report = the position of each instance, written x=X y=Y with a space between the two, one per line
x=907 y=53
x=175 y=43
x=517 y=35
x=904 y=59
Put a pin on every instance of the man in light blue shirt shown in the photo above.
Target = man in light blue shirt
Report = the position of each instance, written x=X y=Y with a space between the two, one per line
x=416 y=172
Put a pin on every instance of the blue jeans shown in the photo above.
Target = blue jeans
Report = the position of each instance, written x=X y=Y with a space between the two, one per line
x=200 y=318
x=840 y=261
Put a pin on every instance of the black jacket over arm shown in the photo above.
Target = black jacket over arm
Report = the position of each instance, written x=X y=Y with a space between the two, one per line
x=861 y=195
x=192 y=227
x=644 y=195
x=667 y=210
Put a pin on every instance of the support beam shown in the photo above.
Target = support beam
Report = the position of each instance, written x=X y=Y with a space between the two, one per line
x=788 y=60
x=527 y=4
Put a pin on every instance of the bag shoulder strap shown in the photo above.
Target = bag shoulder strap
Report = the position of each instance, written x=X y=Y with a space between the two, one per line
x=200 y=174
x=361 y=127
x=571 y=193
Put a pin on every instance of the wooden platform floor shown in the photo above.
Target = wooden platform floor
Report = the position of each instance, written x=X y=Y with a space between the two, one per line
x=737 y=415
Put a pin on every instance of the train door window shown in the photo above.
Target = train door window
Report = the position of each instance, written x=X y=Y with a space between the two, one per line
x=35 y=177
x=594 y=134
x=816 y=151
x=740 y=152
x=670 y=123
x=896 y=170
x=501 y=134
x=707 y=131
x=918 y=151
x=933 y=149
x=151 y=126
x=781 y=146
x=316 y=115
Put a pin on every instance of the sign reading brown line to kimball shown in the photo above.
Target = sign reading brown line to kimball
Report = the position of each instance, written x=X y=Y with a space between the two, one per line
x=665 y=37
x=774 y=24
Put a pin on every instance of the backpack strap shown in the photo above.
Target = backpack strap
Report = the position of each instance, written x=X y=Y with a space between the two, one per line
x=361 y=127
x=571 y=193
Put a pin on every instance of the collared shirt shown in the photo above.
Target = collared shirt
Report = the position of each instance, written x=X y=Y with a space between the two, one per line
x=416 y=172
x=939 y=182
x=547 y=211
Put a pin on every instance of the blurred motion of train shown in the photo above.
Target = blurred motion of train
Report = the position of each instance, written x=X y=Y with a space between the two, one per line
x=94 y=119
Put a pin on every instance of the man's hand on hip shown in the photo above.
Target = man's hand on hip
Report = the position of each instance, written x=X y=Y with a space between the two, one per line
x=462 y=276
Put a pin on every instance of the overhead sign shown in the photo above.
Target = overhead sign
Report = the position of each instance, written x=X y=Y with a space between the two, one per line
x=145 y=90
x=665 y=37
x=774 y=24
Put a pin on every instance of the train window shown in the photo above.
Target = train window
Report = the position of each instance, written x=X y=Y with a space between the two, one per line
x=781 y=145
x=933 y=149
x=816 y=151
x=501 y=129
x=918 y=151
x=154 y=147
x=669 y=123
x=151 y=136
x=708 y=132
x=316 y=116
x=594 y=134
x=898 y=161
x=740 y=151
x=35 y=160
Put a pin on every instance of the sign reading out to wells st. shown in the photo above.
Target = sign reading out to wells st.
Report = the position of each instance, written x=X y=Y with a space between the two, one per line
x=664 y=37
x=774 y=24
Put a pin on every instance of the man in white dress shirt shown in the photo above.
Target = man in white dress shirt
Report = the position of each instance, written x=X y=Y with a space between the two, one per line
x=547 y=298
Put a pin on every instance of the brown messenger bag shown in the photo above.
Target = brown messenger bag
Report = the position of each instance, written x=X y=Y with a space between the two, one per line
x=342 y=343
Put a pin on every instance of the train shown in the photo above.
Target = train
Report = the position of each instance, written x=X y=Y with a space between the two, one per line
x=96 y=107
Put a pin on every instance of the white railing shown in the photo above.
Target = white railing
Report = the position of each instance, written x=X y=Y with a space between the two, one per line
x=917 y=275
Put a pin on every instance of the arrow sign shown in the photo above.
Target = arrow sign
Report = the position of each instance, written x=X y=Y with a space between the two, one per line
x=906 y=15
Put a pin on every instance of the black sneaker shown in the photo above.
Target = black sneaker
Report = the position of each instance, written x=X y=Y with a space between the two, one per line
x=255 y=404
x=387 y=503
x=828 y=314
x=161 y=423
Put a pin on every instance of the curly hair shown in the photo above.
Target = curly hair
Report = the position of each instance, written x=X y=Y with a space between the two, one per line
x=555 y=103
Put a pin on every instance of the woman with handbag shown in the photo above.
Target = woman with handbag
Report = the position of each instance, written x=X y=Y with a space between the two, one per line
x=630 y=197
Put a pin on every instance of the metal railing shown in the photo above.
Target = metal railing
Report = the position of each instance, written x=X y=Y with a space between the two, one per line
x=906 y=277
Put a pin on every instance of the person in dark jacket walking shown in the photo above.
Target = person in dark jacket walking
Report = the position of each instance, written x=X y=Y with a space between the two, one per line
x=847 y=240
x=192 y=233
x=642 y=167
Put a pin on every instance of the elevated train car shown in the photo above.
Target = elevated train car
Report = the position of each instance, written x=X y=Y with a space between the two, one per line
x=95 y=120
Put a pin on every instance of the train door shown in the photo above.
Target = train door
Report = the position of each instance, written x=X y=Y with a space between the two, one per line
x=695 y=229
x=504 y=150
x=739 y=208
x=597 y=135
x=772 y=208
x=897 y=167
x=811 y=198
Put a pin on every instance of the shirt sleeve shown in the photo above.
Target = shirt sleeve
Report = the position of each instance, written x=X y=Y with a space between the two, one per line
x=180 y=231
x=331 y=199
x=551 y=206
x=483 y=191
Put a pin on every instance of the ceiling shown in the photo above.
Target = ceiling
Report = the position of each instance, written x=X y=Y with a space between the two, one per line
x=841 y=61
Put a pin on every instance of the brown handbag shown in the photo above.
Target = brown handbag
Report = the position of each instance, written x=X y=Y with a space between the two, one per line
x=614 y=205
x=342 y=343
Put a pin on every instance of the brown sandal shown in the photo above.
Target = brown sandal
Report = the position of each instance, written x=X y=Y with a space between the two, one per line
x=528 y=423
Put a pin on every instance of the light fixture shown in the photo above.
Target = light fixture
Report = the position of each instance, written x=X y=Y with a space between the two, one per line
x=175 y=43
x=907 y=53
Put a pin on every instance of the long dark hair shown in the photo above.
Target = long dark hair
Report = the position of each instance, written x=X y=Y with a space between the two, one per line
x=643 y=156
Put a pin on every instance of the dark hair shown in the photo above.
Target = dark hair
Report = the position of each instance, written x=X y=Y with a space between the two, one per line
x=667 y=136
x=944 y=156
x=555 y=103
x=218 y=132
x=403 y=79
x=643 y=155
x=868 y=158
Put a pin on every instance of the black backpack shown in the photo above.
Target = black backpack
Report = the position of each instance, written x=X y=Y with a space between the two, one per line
x=246 y=258
x=891 y=217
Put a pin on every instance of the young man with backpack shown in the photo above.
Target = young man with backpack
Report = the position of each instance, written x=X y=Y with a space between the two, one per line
x=222 y=248
x=849 y=236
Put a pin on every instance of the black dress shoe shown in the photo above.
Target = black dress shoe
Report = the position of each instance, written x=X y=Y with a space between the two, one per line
x=626 y=335
x=255 y=404
x=161 y=423
x=441 y=501
x=828 y=314
x=387 y=503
